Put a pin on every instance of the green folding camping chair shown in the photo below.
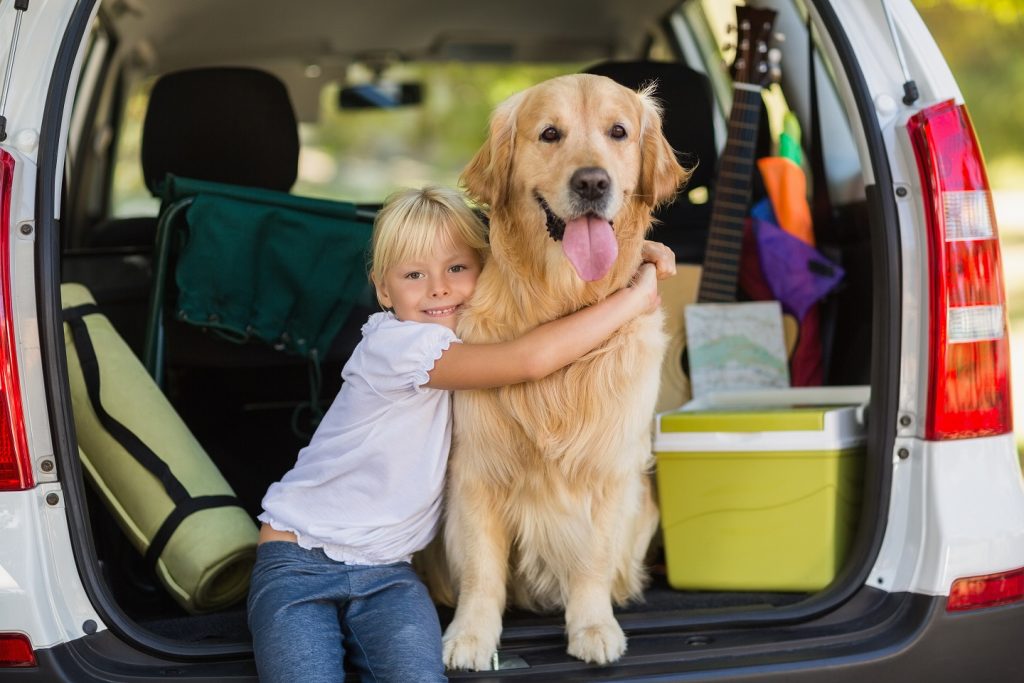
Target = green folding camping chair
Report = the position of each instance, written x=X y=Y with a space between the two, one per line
x=254 y=264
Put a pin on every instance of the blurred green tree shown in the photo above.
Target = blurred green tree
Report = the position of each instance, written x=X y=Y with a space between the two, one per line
x=982 y=39
x=1004 y=11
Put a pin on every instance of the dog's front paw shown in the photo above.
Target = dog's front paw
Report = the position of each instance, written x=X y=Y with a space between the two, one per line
x=468 y=651
x=598 y=644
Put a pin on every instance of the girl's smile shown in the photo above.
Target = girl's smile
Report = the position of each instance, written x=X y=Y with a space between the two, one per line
x=432 y=288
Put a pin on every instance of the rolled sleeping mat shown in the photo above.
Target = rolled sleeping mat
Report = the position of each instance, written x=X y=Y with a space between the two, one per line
x=161 y=486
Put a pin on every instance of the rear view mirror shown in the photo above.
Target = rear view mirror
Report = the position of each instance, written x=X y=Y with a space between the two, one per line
x=380 y=95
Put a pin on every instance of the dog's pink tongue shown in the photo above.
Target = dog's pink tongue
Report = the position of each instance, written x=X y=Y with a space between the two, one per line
x=590 y=246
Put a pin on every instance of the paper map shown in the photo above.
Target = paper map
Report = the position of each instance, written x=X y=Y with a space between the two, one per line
x=735 y=346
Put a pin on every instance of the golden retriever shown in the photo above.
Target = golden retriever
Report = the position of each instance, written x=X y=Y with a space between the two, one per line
x=549 y=488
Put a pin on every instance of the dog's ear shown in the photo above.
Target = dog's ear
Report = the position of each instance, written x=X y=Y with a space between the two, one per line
x=487 y=176
x=661 y=176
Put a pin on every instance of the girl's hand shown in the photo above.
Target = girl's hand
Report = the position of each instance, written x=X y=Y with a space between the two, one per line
x=645 y=286
x=663 y=258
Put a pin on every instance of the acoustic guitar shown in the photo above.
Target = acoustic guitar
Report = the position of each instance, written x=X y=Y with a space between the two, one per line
x=716 y=280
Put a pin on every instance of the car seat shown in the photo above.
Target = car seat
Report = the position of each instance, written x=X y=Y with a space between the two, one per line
x=225 y=124
x=222 y=124
x=234 y=131
x=220 y=148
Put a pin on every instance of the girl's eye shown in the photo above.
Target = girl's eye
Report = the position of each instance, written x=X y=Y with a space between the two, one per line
x=458 y=268
x=618 y=131
x=415 y=275
x=550 y=134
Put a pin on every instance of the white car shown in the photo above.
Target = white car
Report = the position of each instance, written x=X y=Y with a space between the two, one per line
x=346 y=101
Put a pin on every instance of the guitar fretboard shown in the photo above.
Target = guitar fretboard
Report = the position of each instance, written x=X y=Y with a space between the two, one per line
x=732 y=197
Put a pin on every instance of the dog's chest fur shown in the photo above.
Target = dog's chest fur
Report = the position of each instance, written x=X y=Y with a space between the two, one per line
x=555 y=419
x=599 y=403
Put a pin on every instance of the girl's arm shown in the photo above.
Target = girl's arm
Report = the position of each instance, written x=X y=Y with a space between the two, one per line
x=548 y=347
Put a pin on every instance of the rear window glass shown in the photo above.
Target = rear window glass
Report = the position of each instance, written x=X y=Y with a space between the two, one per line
x=362 y=155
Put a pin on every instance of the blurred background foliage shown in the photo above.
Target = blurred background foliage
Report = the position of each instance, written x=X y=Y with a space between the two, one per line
x=983 y=41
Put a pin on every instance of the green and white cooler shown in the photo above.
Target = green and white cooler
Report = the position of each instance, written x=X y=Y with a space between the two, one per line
x=760 y=490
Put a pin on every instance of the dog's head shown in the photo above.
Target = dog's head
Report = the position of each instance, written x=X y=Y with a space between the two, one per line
x=580 y=152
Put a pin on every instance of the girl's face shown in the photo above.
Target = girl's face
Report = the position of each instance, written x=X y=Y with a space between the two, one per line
x=432 y=289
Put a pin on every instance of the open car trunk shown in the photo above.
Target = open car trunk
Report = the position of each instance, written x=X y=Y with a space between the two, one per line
x=250 y=406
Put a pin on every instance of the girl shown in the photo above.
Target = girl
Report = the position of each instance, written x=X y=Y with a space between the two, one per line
x=332 y=577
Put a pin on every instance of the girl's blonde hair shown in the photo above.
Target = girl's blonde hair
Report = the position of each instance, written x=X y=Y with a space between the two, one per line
x=412 y=221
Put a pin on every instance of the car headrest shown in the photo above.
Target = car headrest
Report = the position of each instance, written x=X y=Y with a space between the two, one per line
x=226 y=124
x=687 y=114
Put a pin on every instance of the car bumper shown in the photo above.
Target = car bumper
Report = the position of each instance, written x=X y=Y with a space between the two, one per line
x=901 y=637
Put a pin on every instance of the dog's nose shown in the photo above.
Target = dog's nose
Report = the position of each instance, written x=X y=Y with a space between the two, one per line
x=590 y=182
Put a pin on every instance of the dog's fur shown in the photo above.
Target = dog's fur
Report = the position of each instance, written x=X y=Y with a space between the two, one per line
x=549 y=488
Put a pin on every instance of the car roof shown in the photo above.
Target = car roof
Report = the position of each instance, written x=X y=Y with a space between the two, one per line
x=187 y=33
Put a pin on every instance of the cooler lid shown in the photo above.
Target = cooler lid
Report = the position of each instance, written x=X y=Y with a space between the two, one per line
x=765 y=420
x=810 y=418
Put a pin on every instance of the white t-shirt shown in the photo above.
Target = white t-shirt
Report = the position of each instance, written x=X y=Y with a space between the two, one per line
x=368 y=487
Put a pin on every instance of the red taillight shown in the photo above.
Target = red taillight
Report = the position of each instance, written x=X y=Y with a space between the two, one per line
x=969 y=363
x=15 y=466
x=16 y=650
x=975 y=592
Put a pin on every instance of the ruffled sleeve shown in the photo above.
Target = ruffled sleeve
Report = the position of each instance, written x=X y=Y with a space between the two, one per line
x=399 y=355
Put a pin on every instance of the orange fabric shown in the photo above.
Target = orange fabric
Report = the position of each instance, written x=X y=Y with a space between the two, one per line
x=786 y=186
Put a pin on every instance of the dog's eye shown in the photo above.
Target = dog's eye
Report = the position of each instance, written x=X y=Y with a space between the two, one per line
x=618 y=131
x=550 y=134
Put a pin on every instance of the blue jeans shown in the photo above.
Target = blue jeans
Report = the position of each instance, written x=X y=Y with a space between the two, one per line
x=308 y=613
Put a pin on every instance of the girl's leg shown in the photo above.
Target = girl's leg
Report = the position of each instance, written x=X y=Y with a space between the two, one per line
x=391 y=627
x=294 y=614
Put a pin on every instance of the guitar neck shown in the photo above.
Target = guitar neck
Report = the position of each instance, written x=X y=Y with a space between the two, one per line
x=732 y=198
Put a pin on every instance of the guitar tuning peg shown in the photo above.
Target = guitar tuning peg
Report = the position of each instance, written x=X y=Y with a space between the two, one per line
x=775 y=74
x=779 y=37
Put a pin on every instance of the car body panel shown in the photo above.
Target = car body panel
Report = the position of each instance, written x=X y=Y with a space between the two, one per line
x=41 y=594
x=957 y=511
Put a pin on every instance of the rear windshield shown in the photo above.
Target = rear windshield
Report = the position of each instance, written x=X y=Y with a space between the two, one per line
x=362 y=155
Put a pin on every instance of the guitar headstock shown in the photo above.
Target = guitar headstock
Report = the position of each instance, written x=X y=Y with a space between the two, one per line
x=755 y=63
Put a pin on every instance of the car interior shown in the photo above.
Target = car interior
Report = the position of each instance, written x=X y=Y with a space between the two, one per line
x=228 y=156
